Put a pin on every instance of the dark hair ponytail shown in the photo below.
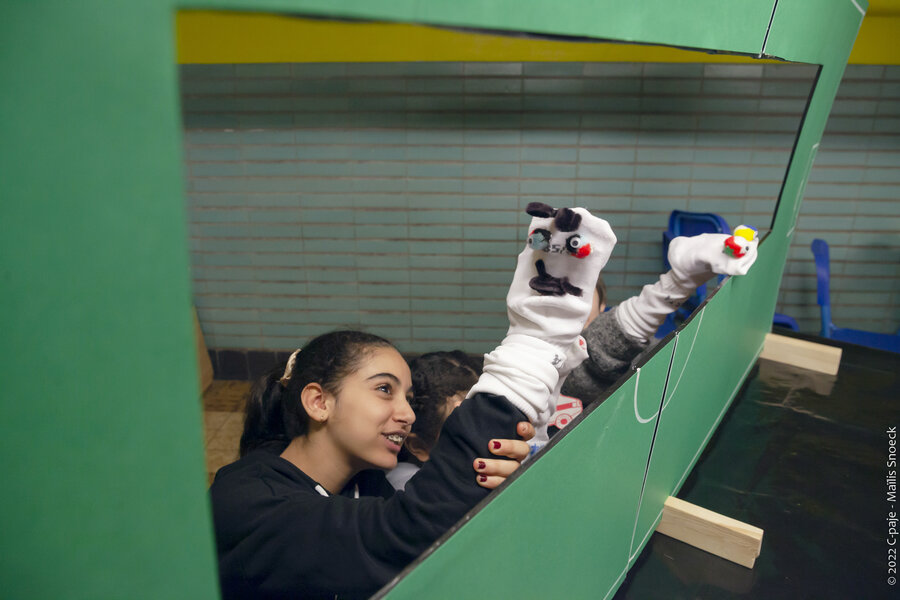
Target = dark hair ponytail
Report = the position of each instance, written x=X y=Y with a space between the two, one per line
x=274 y=414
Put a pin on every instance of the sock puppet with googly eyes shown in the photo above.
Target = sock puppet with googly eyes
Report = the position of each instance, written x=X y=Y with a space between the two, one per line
x=548 y=303
x=617 y=337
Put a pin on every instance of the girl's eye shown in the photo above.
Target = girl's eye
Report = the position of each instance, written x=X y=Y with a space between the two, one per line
x=577 y=246
x=384 y=387
x=539 y=239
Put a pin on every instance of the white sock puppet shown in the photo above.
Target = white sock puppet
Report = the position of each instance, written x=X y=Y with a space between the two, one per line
x=576 y=354
x=548 y=302
x=694 y=261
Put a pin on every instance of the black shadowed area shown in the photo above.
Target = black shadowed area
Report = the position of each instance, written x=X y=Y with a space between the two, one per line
x=802 y=455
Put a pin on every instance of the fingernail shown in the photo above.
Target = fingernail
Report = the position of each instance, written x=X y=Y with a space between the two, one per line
x=496 y=445
x=481 y=464
x=482 y=478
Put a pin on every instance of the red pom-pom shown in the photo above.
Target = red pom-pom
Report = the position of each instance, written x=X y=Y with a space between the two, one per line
x=736 y=250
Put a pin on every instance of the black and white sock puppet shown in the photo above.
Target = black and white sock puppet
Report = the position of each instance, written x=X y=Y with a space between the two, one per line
x=548 y=303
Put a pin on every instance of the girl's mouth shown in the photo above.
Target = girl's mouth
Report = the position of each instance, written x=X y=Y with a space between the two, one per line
x=395 y=440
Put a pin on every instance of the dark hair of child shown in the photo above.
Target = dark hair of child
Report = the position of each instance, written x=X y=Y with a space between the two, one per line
x=436 y=377
x=274 y=413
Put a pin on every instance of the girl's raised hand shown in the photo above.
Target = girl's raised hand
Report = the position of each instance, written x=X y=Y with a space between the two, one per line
x=491 y=472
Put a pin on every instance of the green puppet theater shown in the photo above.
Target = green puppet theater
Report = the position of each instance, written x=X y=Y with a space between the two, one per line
x=105 y=493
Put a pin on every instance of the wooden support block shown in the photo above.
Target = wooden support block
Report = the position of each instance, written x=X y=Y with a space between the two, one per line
x=800 y=353
x=204 y=364
x=712 y=532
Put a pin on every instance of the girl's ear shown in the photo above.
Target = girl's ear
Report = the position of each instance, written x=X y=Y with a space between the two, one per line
x=417 y=447
x=315 y=402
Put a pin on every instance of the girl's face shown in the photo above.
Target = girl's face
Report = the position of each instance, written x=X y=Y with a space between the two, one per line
x=371 y=416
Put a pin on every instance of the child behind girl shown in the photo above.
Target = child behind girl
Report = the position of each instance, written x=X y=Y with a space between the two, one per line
x=441 y=381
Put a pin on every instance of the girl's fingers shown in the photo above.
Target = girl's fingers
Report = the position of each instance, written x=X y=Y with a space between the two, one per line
x=514 y=449
x=525 y=430
x=489 y=482
x=495 y=466
x=491 y=472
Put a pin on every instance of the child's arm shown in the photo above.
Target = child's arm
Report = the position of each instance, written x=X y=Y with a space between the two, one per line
x=618 y=336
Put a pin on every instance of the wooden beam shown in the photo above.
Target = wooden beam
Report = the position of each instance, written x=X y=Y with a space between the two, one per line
x=800 y=353
x=720 y=535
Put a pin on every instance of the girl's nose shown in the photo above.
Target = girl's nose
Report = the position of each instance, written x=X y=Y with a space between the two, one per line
x=404 y=412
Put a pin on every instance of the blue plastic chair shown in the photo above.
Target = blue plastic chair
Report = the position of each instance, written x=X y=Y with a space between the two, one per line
x=881 y=341
x=780 y=320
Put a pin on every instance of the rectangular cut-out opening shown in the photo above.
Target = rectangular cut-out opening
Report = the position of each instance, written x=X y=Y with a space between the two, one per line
x=100 y=279
x=391 y=195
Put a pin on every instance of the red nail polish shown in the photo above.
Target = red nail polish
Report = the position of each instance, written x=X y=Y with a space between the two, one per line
x=496 y=445
x=482 y=478
x=481 y=464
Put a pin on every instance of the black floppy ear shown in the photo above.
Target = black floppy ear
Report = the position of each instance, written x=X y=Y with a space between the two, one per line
x=567 y=220
x=539 y=209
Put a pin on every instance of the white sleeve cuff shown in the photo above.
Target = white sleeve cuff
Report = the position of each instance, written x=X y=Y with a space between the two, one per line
x=640 y=316
x=523 y=370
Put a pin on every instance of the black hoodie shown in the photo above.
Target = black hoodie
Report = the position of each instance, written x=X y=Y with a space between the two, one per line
x=278 y=536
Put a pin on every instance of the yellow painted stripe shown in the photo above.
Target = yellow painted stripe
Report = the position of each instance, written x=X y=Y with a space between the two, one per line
x=206 y=37
x=877 y=42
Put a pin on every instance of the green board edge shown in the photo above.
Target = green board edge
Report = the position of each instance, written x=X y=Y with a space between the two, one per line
x=100 y=418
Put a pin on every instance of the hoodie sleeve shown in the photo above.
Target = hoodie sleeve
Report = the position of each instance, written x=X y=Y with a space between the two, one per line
x=279 y=540
x=610 y=354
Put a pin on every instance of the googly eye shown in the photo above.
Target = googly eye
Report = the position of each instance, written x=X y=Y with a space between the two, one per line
x=539 y=239
x=577 y=246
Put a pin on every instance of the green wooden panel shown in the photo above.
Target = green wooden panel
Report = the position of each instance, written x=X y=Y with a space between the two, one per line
x=103 y=470
x=818 y=32
x=815 y=31
x=717 y=340
x=100 y=428
x=566 y=523
x=827 y=42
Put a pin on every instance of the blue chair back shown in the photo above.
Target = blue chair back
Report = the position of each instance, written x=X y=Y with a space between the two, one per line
x=686 y=223
x=823 y=284
x=682 y=222
x=881 y=341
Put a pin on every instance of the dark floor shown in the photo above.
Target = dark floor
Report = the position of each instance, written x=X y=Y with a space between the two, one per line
x=803 y=456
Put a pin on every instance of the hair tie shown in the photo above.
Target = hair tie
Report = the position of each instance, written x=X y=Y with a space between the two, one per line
x=290 y=367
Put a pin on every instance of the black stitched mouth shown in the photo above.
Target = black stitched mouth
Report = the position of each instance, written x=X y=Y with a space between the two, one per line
x=548 y=285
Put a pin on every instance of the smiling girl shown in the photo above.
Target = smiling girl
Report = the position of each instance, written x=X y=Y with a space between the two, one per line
x=306 y=512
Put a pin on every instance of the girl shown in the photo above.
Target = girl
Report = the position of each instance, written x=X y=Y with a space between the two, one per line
x=303 y=514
